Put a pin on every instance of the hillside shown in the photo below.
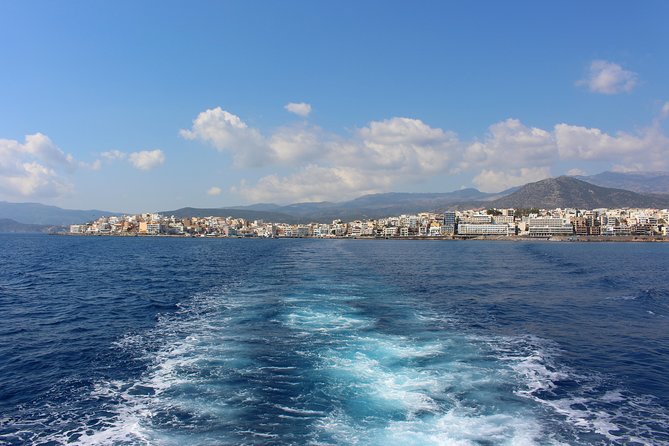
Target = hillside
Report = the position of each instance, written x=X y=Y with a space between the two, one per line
x=41 y=214
x=642 y=182
x=8 y=225
x=562 y=192
x=376 y=205
x=550 y=193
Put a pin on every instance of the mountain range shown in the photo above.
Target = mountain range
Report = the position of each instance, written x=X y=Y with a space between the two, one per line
x=642 y=182
x=9 y=226
x=376 y=205
x=645 y=189
x=41 y=214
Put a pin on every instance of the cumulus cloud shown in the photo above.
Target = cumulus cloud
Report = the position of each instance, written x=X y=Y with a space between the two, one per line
x=114 y=155
x=646 y=149
x=664 y=113
x=299 y=108
x=315 y=183
x=402 y=145
x=393 y=153
x=499 y=180
x=146 y=159
x=290 y=145
x=373 y=159
x=575 y=172
x=228 y=133
x=213 y=191
x=609 y=78
x=509 y=143
x=142 y=160
x=36 y=168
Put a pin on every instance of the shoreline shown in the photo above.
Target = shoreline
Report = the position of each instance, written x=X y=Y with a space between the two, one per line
x=511 y=238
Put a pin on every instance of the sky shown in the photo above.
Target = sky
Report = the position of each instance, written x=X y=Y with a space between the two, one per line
x=131 y=106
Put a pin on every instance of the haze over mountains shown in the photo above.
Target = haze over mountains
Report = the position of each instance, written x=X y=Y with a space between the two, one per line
x=643 y=182
x=377 y=205
x=41 y=214
x=646 y=189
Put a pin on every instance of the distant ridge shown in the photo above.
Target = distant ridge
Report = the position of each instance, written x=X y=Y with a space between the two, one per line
x=41 y=214
x=377 y=205
x=642 y=182
x=550 y=193
x=8 y=225
x=569 y=192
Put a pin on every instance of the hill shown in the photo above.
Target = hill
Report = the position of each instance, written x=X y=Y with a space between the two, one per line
x=569 y=192
x=642 y=182
x=41 y=214
x=8 y=225
x=376 y=205
x=549 y=193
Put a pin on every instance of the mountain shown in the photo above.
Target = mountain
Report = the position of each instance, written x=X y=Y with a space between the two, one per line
x=258 y=207
x=377 y=205
x=550 y=193
x=8 y=225
x=569 y=192
x=40 y=214
x=642 y=182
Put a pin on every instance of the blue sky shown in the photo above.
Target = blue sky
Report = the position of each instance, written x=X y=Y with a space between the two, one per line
x=138 y=106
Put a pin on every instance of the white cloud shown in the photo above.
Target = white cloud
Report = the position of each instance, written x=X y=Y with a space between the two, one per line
x=36 y=168
x=95 y=165
x=114 y=155
x=576 y=172
x=609 y=78
x=147 y=159
x=315 y=183
x=290 y=145
x=381 y=155
x=664 y=113
x=626 y=168
x=499 y=180
x=393 y=153
x=400 y=145
x=299 y=108
x=647 y=149
x=143 y=159
x=228 y=133
x=213 y=191
x=512 y=144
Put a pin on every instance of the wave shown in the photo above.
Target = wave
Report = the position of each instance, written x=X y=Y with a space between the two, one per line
x=241 y=365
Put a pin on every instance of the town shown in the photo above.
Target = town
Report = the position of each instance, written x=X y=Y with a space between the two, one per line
x=486 y=223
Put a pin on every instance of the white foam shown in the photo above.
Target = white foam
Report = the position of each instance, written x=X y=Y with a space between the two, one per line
x=458 y=427
x=590 y=407
x=299 y=411
x=324 y=321
x=190 y=341
x=407 y=389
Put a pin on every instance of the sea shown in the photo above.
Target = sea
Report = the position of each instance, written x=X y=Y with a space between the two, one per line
x=194 y=341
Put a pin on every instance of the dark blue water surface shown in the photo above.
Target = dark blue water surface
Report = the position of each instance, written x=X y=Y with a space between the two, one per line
x=131 y=341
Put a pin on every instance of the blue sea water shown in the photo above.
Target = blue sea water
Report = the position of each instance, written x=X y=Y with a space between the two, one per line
x=132 y=341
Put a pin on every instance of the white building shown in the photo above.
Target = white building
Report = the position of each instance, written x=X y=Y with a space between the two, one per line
x=78 y=229
x=483 y=229
x=549 y=226
x=476 y=219
x=390 y=232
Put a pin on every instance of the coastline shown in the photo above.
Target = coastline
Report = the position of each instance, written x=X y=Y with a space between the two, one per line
x=510 y=238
